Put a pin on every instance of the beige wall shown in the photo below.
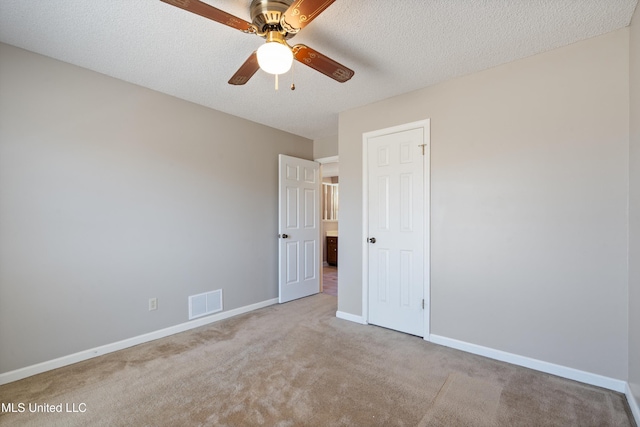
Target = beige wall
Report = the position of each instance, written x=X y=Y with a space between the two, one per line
x=325 y=147
x=111 y=194
x=529 y=170
x=634 y=210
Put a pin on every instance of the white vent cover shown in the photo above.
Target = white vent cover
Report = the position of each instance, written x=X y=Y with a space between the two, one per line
x=206 y=303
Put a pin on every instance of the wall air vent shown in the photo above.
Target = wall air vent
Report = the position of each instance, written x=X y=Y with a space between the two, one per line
x=204 y=304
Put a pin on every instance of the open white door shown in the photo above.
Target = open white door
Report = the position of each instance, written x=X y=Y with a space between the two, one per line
x=299 y=228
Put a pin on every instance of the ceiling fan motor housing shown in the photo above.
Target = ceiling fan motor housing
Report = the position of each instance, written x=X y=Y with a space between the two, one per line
x=266 y=16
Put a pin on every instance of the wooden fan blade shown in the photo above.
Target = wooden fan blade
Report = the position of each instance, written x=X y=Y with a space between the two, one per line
x=207 y=11
x=246 y=70
x=301 y=13
x=322 y=63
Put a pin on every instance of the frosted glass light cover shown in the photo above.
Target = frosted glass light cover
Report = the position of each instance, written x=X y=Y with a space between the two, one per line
x=275 y=58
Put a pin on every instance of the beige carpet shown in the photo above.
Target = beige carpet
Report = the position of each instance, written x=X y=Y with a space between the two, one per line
x=296 y=364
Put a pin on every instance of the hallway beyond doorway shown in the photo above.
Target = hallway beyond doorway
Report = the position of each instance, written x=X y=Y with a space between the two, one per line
x=330 y=280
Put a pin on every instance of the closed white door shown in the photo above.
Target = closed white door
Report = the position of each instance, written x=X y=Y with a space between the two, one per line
x=397 y=230
x=299 y=218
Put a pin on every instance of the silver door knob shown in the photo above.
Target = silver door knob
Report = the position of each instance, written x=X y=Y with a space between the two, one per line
x=284 y=236
x=372 y=240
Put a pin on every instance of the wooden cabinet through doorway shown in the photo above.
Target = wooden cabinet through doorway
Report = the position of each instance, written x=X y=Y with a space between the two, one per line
x=332 y=250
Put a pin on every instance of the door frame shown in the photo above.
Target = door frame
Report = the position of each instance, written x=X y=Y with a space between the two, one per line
x=425 y=125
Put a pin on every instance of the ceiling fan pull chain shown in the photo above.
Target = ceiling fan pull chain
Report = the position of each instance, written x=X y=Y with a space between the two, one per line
x=293 y=68
x=276 y=81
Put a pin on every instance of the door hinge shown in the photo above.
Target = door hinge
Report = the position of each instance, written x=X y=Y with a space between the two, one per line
x=423 y=304
x=422 y=145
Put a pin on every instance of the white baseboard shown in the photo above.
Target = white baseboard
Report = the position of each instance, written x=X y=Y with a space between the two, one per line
x=350 y=317
x=633 y=404
x=28 y=371
x=549 y=368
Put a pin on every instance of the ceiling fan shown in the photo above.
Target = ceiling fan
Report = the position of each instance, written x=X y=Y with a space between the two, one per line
x=276 y=21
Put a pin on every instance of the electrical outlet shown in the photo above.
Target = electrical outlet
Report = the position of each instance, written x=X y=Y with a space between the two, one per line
x=153 y=304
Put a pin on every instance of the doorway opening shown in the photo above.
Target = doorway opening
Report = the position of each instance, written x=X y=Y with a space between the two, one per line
x=329 y=201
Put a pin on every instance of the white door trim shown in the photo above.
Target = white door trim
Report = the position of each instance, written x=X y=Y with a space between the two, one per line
x=332 y=159
x=426 y=126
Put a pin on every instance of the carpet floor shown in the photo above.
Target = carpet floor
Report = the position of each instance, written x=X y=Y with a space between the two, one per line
x=296 y=364
x=330 y=280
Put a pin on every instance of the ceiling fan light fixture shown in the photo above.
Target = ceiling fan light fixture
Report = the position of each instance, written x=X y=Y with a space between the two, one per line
x=275 y=57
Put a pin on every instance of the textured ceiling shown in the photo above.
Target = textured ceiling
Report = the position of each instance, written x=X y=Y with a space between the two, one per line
x=393 y=47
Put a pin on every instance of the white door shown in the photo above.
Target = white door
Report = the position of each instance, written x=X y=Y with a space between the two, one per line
x=299 y=228
x=398 y=229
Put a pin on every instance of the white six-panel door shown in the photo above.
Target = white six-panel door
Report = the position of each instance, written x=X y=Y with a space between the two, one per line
x=299 y=228
x=397 y=230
